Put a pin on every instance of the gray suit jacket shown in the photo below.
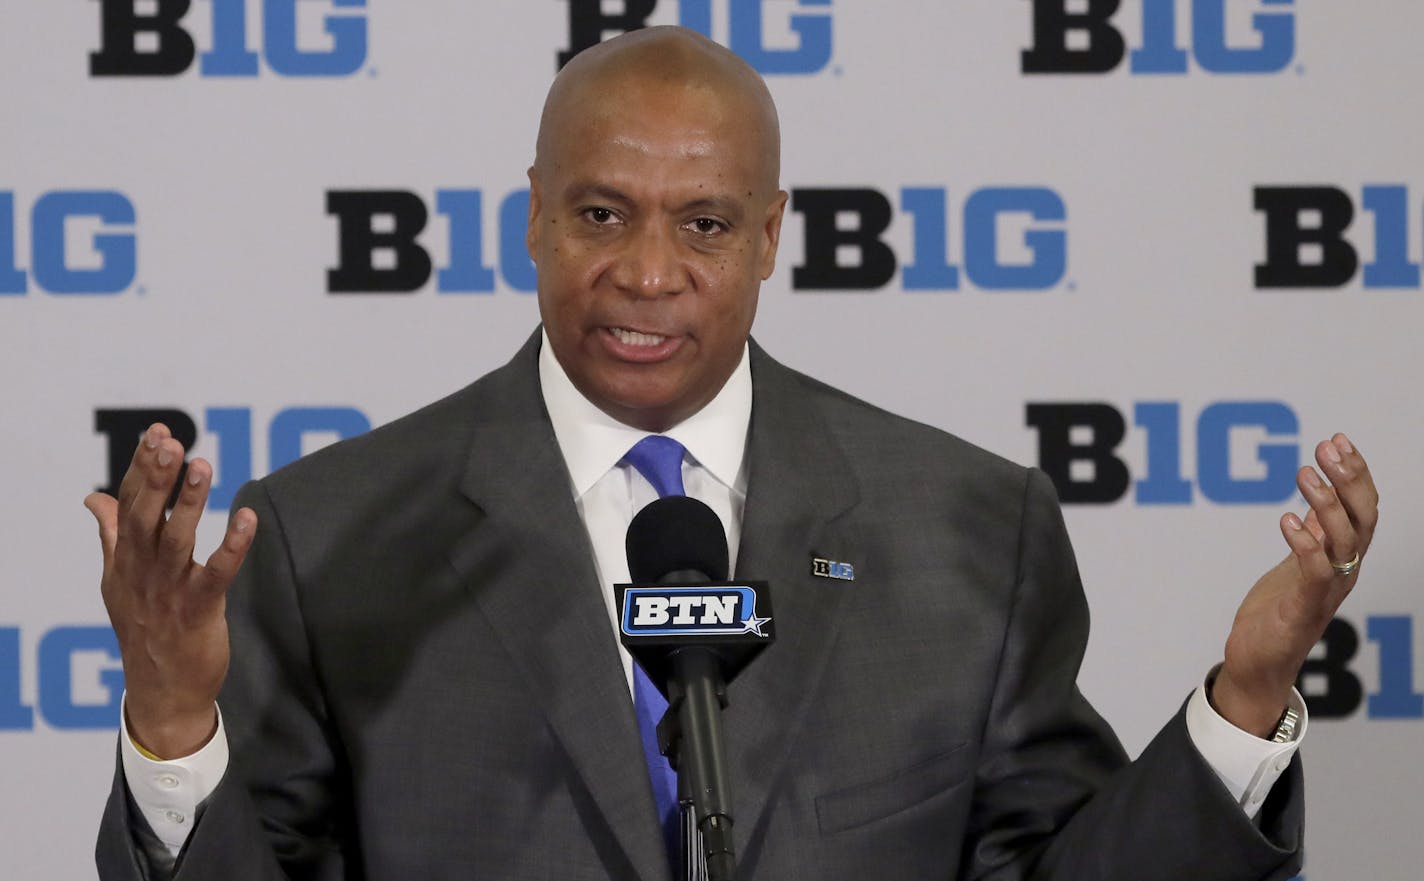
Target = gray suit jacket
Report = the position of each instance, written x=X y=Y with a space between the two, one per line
x=425 y=684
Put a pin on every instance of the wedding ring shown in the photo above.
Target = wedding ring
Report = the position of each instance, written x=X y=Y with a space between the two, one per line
x=1346 y=568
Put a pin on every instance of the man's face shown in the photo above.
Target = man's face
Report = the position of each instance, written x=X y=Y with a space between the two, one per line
x=653 y=221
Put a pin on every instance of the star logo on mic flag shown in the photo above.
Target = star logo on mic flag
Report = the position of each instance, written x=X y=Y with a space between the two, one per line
x=753 y=624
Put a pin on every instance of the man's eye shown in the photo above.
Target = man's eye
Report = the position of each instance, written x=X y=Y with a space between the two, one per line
x=707 y=226
x=600 y=215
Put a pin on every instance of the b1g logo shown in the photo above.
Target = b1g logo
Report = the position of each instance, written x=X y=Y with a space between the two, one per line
x=1078 y=444
x=1081 y=37
x=810 y=21
x=150 y=38
x=379 y=250
x=1330 y=682
x=1306 y=245
x=845 y=248
x=78 y=679
x=291 y=433
x=57 y=220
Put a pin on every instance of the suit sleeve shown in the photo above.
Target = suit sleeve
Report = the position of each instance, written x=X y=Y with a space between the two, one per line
x=275 y=815
x=1055 y=798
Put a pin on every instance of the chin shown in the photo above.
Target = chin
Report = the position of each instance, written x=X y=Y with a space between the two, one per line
x=645 y=404
x=652 y=412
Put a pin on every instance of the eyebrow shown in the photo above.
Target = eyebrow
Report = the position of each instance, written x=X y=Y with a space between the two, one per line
x=724 y=205
x=577 y=191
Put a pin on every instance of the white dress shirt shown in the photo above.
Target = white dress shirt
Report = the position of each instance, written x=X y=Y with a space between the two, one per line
x=607 y=494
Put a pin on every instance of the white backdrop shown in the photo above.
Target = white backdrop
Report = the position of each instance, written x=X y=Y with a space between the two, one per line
x=227 y=305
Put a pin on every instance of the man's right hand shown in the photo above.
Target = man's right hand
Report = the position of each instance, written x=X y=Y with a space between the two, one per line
x=167 y=610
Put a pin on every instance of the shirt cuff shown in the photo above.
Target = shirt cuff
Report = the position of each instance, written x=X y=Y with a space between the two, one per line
x=168 y=793
x=1248 y=765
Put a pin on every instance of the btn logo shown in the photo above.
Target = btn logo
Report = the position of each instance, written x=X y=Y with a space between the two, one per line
x=79 y=679
x=106 y=266
x=691 y=611
x=1078 y=444
x=1330 y=678
x=292 y=433
x=841 y=224
x=148 y=38
x=1306 y=245
x=746 y=26
x=378 y=248
x=1079 y=36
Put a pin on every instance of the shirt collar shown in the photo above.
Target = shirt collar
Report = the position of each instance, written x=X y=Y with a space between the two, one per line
x=592 y=442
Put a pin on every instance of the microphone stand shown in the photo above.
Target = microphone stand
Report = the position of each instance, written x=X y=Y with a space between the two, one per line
x=691 y=860
x=690 y=735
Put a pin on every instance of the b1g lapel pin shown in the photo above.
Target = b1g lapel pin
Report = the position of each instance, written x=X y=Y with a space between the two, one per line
x=832 y=569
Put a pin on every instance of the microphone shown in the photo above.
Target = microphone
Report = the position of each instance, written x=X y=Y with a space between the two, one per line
x=673 y=537
x=693 y=632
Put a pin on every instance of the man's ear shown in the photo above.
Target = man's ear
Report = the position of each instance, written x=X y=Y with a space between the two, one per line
x=531 y=235
x=771 y=233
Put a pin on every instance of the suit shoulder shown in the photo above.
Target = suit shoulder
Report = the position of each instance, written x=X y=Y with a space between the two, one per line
x=870 y=432
x=431 y=425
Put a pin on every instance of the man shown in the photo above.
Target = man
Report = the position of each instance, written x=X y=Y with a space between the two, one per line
x=424 y=678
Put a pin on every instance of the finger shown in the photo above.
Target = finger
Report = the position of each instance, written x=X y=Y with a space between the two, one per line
x=1337 y=532
x=141 y=523
x=1310 y=558
x=1354 y=484
x=143 y=454
x=105 y=509
x=175 y=547
x=224 y=562
x=1312 y=523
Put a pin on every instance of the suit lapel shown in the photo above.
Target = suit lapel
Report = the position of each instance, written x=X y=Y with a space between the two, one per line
x=528 y=562
x=799 y=485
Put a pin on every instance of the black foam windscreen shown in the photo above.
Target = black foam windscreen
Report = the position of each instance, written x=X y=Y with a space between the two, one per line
x=676 y=534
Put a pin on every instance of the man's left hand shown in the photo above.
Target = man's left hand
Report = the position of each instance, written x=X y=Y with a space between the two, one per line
x=1286 y=612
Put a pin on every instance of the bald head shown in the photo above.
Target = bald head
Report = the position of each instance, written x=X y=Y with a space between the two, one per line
x=653 y=68
x=654 y=217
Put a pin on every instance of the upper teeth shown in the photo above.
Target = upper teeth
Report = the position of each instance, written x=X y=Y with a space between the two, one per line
x=633 y=338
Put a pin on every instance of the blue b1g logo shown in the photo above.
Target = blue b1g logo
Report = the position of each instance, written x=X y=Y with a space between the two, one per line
x=111 y=260
x=1081 y=37
x=1307 y=244
x=79 y=679
x=1330 y=682
x=379 y=249
x=1014 y=239
x=153 y=39
x=1078 y=444
x=808 y=20
x=290 y=433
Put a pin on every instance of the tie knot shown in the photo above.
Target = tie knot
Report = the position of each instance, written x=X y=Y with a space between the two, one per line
x=659 y=460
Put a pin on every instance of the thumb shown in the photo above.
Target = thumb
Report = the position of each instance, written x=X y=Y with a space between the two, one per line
x=105 y=509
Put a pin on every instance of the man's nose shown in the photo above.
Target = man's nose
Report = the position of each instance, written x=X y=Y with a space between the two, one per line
x=650 y=264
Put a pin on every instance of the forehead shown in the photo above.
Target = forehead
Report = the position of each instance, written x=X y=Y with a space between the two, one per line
x=656 y=132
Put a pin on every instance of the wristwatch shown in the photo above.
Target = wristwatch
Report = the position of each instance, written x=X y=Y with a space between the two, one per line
x=1285 y=728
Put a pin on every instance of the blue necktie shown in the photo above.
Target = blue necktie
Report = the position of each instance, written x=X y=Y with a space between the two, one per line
x=659 y=460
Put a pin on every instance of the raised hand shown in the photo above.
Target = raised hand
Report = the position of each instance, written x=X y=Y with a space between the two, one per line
x=167 y=609
x=1286 y=613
